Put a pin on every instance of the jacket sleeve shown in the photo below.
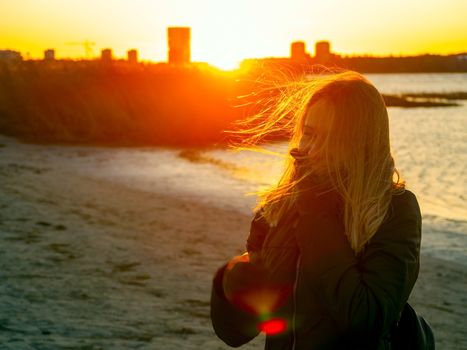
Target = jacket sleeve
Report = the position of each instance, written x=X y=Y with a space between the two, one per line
x=364 y=296
x=258 y=230
x=231 y=324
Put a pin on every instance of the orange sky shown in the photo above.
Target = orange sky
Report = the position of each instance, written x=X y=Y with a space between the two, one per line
x=225 y=31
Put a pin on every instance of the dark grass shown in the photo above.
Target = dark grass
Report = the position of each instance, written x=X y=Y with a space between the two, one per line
x=88 y=102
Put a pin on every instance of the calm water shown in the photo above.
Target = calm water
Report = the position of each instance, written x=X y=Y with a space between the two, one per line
x=429 y=145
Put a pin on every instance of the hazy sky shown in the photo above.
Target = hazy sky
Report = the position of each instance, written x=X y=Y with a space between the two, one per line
x=226 y=31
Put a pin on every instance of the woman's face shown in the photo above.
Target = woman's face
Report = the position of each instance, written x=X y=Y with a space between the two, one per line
x=316 y=127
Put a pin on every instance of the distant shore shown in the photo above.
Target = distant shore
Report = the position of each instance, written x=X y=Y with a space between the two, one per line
x=89 y=262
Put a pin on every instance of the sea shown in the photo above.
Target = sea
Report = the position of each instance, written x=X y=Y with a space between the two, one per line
x=429 y=146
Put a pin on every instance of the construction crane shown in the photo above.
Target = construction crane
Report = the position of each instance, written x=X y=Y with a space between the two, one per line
x=87 y=45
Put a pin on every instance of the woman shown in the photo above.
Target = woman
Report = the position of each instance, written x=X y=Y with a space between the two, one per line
x=333 y=251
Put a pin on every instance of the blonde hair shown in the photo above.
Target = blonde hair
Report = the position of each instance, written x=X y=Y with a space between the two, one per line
x=356 y=150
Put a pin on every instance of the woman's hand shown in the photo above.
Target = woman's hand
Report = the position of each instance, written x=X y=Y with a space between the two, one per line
x=247 y=284
x=242 y=273
x=313 y=175
x=315 y=191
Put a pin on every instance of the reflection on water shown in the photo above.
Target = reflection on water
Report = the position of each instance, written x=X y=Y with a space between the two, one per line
x=431 y=150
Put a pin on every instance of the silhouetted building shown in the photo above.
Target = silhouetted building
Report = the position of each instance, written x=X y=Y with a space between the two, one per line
x=10 y=56
x=322 y=51
x=179 y=45
x=132 y=56
x=297 y=51
x=49 y=55
x=106 y=55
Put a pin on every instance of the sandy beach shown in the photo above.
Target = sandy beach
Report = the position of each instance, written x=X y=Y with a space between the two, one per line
x=88 y=263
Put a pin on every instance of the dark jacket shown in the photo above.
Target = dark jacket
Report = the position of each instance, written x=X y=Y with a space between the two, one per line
x=340 y=300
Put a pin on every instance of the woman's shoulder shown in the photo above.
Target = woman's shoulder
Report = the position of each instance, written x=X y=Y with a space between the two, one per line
x=403 y=217
x=404 y=195
x=404 y=204
x=401 y=230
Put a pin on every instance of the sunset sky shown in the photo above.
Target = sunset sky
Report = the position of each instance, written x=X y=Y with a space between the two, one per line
x=226 y=31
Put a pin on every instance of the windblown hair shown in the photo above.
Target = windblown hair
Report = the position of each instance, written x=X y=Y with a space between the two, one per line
x=356 y=151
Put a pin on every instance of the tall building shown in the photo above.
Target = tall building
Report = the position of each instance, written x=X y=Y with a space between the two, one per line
x=106 y=55
x=297 y=51
x=49 y=55
x=179 y=45
x=323 y=51
x=132 y=56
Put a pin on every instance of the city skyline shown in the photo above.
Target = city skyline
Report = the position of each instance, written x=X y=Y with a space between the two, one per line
x=178 y=50
x=223 y=34
x=179 y=53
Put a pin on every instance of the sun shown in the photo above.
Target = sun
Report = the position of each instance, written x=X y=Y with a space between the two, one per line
x=225 y=63
x=222 y=50
x=226 y=50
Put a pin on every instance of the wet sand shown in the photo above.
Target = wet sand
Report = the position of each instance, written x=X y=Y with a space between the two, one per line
x=91 y=264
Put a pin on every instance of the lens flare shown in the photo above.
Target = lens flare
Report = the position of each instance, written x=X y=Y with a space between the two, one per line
x=262 y=300
x=273 y=326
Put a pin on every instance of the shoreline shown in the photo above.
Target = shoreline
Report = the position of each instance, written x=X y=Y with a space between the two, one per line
x=90 y=262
